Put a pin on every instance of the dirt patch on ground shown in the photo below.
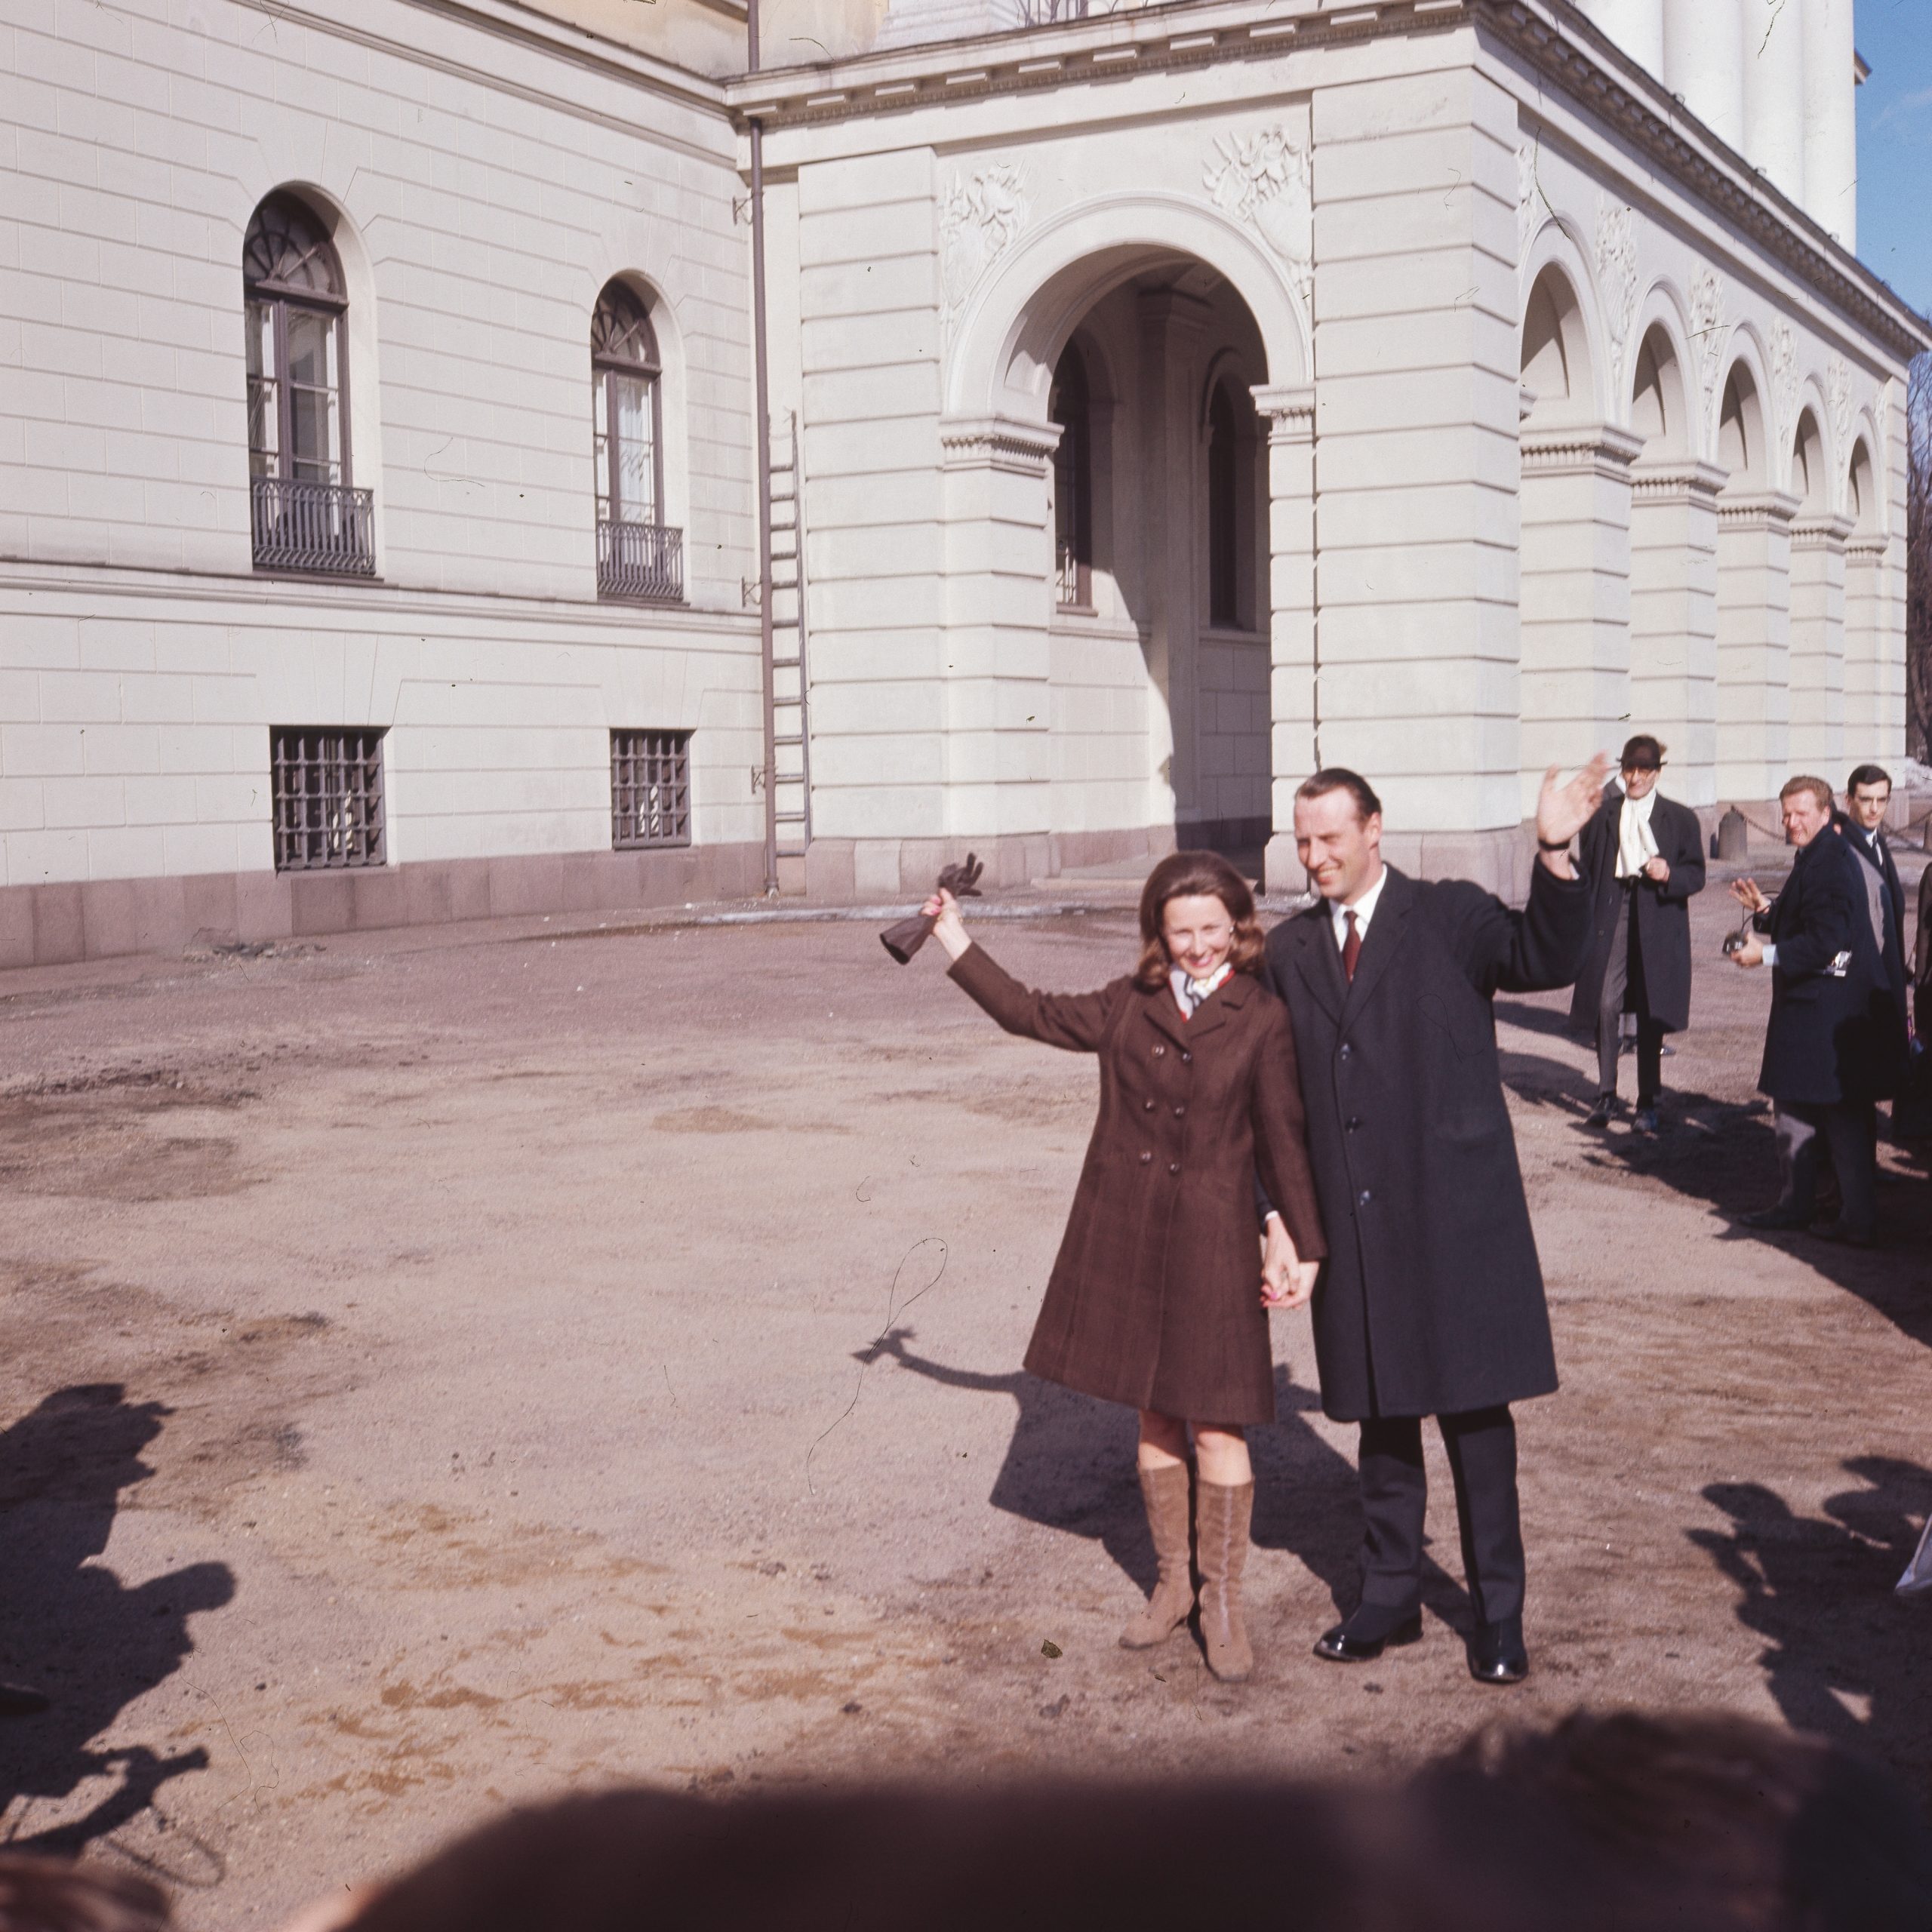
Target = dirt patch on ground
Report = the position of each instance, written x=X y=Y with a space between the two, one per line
x=445 y=1372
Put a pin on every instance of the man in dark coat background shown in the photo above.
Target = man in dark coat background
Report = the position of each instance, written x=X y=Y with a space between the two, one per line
x=1830 y=1048
x=1431 y=1302
x=1867 y=793
x=1643 y=857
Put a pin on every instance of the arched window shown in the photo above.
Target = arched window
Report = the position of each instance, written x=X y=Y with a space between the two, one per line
x=636 y=555
x=1070 y=406
x=306 y=515
x=1223 y=510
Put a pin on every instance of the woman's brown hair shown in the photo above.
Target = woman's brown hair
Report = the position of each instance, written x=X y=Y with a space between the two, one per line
x=1194 y=875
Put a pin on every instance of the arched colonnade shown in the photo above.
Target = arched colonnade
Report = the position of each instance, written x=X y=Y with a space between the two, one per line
x=1702 y=540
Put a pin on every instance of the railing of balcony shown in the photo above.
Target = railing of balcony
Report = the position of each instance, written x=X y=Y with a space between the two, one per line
x=1052 y=13
x=301 y=526
x=641 y=560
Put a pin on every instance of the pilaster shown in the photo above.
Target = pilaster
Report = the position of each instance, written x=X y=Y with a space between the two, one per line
x=1574 y=595
x=1417 y=383
x=998 y=605
x=1873 y=707
x=1171 y=327
x=1754 y=643
x=1818 y=645
x=1674 y=617
x=1289 y=413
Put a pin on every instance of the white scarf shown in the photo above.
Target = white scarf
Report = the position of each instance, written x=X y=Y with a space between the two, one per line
x=1636 y=844
x=1190 y=994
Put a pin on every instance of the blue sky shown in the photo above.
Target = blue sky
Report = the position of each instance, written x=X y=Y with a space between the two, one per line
x=1895 y=145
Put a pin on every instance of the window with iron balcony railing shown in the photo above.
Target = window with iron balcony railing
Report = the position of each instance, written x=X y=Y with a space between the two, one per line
x=638 y=556
x=304 y=514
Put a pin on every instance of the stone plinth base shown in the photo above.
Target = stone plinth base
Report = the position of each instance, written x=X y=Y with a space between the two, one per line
x=863 y=872
x=51 y=925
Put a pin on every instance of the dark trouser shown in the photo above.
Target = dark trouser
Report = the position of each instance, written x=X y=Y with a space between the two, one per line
x=1623 y=975
x=1848 y=1129
x=1394 y=1495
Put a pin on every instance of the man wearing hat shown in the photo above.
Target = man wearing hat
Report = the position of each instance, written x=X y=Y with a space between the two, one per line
x=1643 y=857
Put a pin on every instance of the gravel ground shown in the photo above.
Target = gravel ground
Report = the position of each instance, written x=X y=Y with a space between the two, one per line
x=448 y=1368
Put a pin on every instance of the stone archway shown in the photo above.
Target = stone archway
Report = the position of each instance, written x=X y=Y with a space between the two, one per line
x=1163 y=709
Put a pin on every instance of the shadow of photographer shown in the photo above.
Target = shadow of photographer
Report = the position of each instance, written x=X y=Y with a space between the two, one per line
x=70 y=1627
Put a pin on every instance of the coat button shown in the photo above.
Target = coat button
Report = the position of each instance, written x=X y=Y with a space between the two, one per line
x=1354 y=1120
x=1146 y=1157
x=1345 y=1049
x=1158 y=1051
x=1186 y=1058
x=1364 y=1198
x=1148 y=1105
x=1174 y=1166
x=1179 y=1112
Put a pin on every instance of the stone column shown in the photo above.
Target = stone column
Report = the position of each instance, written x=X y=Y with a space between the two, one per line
x=1818 y=645
x=1831 y=123
x=1418 y=377
x=1171 y=331
x=1290 y=416
x=1674 y=617
x=1635 y=26
x=1703 y=61
x=1774 y=92
x=1754 y=645
x=1574 y=595
x=999 y=577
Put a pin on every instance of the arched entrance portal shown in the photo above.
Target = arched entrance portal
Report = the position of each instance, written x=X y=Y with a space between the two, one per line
x=1128 y=495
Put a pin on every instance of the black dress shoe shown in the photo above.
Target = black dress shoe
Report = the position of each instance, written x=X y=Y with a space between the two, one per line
x=1777 y=1217
x=1497 y=1655
x=19 y=1700
x=1606 y=1108
x=1370 y=1631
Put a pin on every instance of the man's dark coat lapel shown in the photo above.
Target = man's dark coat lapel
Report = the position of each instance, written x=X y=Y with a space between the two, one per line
x=1318 y=960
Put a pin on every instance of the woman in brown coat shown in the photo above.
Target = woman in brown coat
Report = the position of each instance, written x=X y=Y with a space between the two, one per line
x=1156 y=1298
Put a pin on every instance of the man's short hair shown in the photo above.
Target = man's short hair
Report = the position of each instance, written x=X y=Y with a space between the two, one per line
x=1817 y=787
x=1868 y=774
x=1642 y=753
x=1338 y=778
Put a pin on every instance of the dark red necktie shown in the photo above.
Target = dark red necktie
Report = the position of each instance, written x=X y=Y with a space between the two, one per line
x=1351 y=946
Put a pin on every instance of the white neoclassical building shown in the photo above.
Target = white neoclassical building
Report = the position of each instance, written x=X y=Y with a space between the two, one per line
x=1163 y=401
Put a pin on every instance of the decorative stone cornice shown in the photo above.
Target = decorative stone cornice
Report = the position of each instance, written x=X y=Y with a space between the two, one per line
x=1578 y=449
x=1764 y=508
x=998 y=442
x=1680 y=480
x=1555 y=41
x=1821 y=533
x=1289 y=410
x=1868 y=547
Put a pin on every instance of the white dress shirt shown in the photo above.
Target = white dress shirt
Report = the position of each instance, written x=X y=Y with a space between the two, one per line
x=1363 y=908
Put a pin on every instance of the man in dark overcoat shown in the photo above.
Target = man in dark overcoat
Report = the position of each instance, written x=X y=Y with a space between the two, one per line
x=1643 y=857
x=1431 y=1302
x=1830 y=1049
x=1867 y=792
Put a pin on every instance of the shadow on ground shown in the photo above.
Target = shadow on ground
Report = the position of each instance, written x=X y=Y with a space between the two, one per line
x=1070 y=1466
x=70 y=1628
x=1842 y=1656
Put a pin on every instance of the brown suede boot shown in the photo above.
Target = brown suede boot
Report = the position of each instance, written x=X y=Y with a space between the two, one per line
x=1164 y=1492
x=1223 y=1512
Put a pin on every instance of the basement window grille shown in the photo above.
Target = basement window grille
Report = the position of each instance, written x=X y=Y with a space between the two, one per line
x=329 y=799
x=650 y=789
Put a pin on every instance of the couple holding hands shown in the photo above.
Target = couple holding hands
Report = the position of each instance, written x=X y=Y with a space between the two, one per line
x=1345 y=1069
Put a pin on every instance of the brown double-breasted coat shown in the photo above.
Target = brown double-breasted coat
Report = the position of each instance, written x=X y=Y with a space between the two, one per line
x=1155 y=1299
